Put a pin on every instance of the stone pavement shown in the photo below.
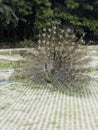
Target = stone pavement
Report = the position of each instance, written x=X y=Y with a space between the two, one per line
x=31 y=107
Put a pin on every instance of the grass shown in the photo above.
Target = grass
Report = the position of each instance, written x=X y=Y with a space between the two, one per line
x=8 y=65
x=94 y=73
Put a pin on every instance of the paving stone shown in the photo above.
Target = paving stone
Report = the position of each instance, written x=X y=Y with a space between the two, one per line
x=27 y=108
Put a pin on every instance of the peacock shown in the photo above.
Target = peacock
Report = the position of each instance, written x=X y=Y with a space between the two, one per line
x=59 y=59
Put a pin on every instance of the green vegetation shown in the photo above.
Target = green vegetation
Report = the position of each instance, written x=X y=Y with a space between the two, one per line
x=22 y=19
x=8 y=65
x=94 y=73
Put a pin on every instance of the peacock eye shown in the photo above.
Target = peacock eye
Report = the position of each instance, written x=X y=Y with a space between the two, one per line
x=43 y=41
x=54 y=32
x=48 y=48
x=44 y=29
x=48 y=36
x=59 y=43
x=47 y=43
x=68 y=30
x=39 y=41
x=67 y=35
x=49 y=30
x=62 y=31
x=53 y=38
x=54 y=27
x=43 y=34
x=61 y=36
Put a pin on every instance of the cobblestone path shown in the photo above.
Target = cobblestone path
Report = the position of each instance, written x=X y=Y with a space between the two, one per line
x=24 y=107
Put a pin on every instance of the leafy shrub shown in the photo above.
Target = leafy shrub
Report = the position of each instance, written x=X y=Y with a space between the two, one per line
x=25 y=43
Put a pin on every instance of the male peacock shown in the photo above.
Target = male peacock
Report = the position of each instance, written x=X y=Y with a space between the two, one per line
x=59 y=60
